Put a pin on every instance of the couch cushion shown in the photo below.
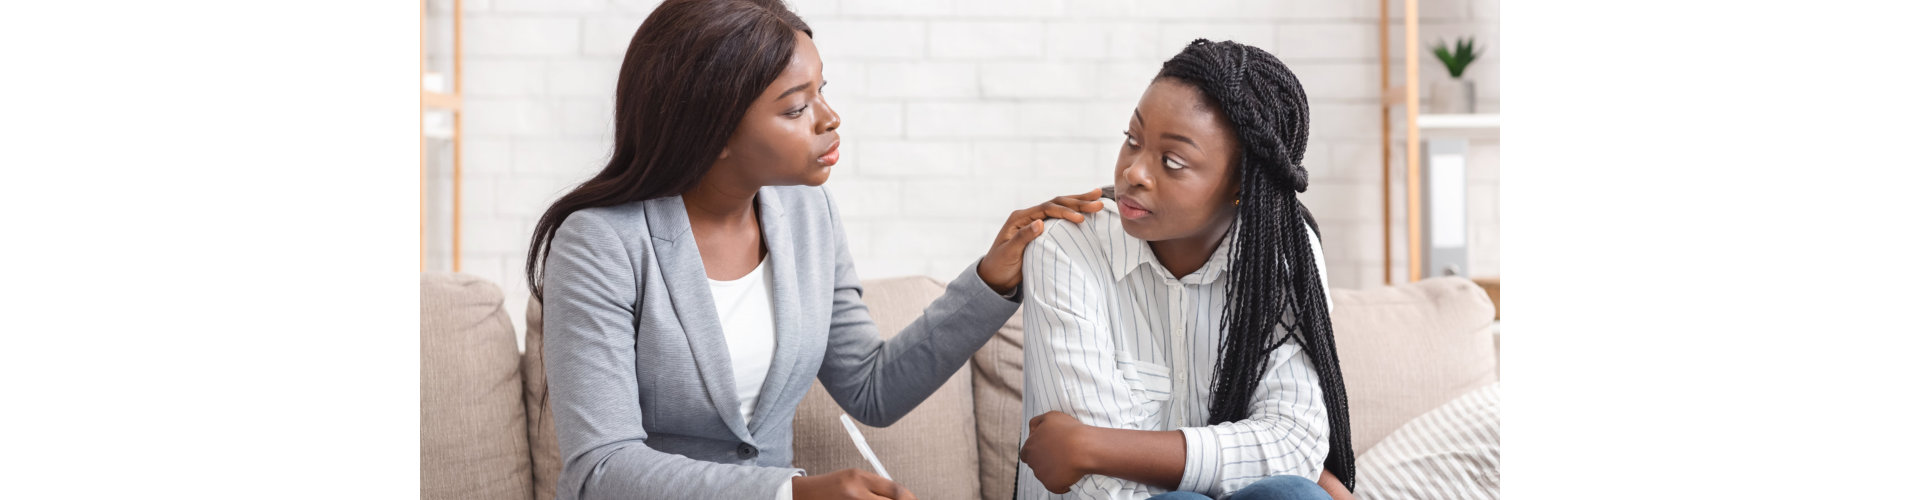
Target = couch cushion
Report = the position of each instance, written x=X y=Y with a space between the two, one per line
x=932 y=450
x=540 y=437
x=473 y=434
x=996 y=408
x=1450 y=452
x=1409 y=348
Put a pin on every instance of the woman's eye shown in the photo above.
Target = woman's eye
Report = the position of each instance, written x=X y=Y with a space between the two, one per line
x=1172 y=163
x=1131 y=142
x=796 y=113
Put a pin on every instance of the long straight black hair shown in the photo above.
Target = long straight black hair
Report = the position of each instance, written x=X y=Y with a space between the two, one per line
x=690 y=73
x=1274 y=283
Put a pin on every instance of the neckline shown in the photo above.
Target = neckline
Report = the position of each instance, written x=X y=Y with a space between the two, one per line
x=751 y=275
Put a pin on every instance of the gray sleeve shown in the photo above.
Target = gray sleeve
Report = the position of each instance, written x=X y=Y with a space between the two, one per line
x=590 y=296
x=877 y=381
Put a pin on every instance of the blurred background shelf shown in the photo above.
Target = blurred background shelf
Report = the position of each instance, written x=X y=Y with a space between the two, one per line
x=1486 y=121
x=440 y=138
x=1435 y=204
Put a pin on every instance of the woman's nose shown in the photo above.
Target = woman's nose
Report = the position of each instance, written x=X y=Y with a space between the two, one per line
x=1135 y=173
x=831 y=120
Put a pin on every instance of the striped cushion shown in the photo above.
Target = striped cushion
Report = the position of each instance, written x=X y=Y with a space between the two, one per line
x=1450 y=452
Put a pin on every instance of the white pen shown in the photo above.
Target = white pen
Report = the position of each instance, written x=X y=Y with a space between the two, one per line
x=861 y=443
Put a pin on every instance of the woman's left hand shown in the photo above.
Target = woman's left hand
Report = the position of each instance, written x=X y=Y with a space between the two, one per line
x=1001 y=267
x=1333 y=486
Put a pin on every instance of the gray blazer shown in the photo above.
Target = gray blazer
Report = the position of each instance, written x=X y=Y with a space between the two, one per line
x=639 y=377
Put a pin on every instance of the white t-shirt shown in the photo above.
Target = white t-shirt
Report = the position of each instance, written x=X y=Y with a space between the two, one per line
x=746 y=317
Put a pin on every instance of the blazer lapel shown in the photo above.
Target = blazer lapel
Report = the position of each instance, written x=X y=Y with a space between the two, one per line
x=686 y=281
x=787 y=324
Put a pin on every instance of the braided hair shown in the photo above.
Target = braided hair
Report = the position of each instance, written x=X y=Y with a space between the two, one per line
x=1273 y=270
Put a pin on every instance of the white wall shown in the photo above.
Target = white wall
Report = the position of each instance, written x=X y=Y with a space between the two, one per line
x=956 y=112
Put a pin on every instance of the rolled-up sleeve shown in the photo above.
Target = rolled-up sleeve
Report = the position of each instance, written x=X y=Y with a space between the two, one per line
x=1285 y=433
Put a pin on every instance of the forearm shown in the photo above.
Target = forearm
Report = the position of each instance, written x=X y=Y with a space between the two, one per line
x=915 y=363
x=1156 y=458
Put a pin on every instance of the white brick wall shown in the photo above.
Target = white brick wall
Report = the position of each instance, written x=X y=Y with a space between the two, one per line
x=956 y=112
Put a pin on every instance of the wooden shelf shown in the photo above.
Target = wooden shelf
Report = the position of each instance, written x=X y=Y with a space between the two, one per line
x=437 y=100
x=1407 y=97
x=1403 y=99
x=438 y=129
x=1463 y=121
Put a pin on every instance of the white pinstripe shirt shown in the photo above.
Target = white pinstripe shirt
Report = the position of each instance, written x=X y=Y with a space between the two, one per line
x=1115 y=340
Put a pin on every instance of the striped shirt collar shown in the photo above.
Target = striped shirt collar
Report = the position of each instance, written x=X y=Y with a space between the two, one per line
x=1139 y=254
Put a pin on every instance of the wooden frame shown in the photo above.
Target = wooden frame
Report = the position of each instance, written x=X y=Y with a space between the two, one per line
x=1407 y=94
x=449 y=101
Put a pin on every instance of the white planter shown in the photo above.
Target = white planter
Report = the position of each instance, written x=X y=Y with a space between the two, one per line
x=1451 y=96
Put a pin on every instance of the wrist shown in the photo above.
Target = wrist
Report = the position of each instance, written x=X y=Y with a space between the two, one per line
x=998 y=286
x=1089 y=453
x=800 y=490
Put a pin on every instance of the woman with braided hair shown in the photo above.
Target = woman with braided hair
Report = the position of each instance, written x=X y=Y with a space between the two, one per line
x=1179 y=343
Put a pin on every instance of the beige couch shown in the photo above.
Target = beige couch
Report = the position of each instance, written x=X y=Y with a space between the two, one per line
x=1404 y=350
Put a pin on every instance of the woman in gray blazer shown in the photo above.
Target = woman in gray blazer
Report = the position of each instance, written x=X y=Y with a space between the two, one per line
x=722 y=138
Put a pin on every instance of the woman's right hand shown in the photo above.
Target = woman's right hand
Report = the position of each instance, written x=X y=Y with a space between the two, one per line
x=1000 y=268
x=848 y=484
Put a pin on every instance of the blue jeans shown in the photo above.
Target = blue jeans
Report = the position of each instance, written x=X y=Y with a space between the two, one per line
x=1272 y=488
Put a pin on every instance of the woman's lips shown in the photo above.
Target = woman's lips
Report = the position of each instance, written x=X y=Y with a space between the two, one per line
x=1132 y=210
x=832 y=156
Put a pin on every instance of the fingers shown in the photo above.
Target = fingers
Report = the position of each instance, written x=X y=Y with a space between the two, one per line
x=1058 y=211
x=1021 y=224
x=1015 y=220
x=1016 y=224
x=1027 y=234
x=1035 y=422
x=1075 y=203
x=1061 y=208
x=884 y=488
x=1090 y=200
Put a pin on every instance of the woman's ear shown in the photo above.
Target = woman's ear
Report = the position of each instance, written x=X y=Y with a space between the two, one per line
x=1233 y=189
x=724 y=153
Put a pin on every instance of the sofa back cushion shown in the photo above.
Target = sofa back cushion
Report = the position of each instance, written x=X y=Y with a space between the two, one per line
x=932 y=451
x=473 y=434
x=1440 y=454
x=996 y=408
x=1407 y=349
x=540 y=436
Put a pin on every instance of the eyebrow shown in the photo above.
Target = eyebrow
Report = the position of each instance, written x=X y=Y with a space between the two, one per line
x=1168 y=135
x=796 y=88
x=1178 y=137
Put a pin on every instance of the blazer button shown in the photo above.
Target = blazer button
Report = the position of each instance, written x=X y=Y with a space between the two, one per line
x=747 y=451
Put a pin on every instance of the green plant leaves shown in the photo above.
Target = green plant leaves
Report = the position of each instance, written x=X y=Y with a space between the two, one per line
x=1456 y=58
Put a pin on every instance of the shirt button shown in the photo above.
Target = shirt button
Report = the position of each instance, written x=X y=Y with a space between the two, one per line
x=747 y=451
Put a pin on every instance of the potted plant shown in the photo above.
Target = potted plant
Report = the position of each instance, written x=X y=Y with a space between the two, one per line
x=1455 y=93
